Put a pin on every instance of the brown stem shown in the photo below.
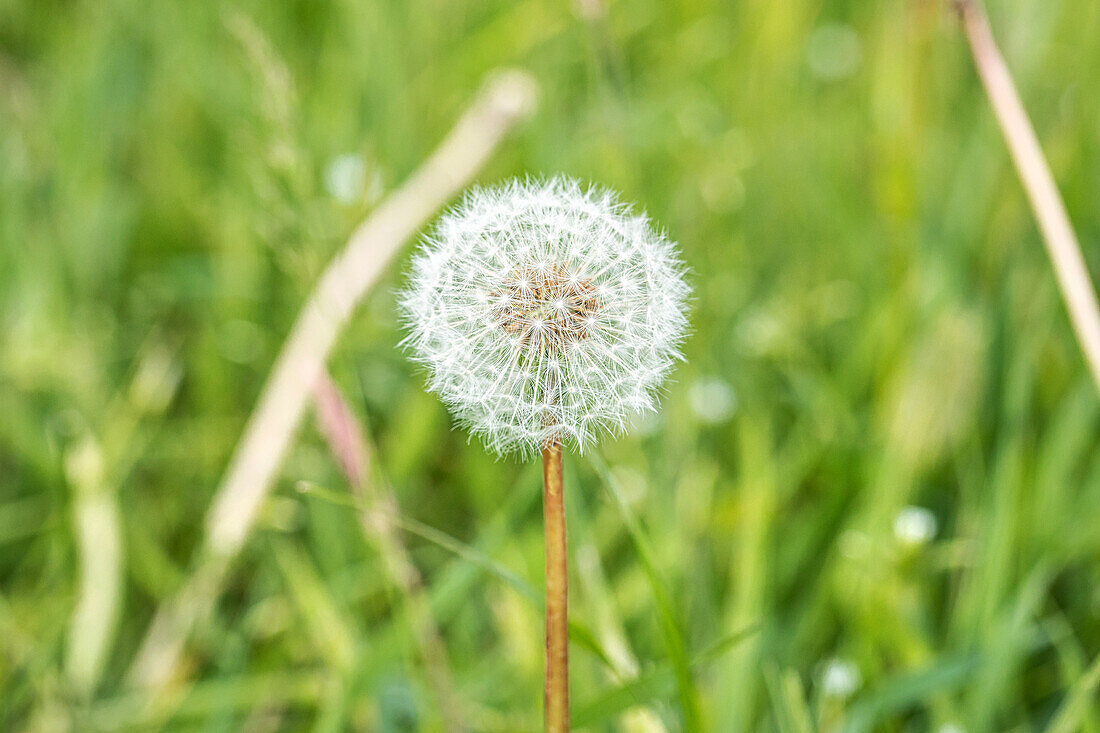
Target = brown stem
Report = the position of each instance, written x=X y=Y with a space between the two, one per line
x=557 y=591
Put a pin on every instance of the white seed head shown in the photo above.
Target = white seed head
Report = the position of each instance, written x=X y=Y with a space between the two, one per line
x=545 y=310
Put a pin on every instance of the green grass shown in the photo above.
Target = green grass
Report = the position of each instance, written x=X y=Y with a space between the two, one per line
x=870 y=291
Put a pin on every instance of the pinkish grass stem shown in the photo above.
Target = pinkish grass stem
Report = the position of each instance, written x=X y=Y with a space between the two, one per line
x=506 y=99
x=1042 y=193
x=349 y=444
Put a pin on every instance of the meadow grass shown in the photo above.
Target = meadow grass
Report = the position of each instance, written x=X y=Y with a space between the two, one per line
x=875 y=326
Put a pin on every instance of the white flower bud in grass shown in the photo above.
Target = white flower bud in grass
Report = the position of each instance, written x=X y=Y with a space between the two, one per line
x=712 y=400
x=840 y=678
x=545 y=311
x=914 y=526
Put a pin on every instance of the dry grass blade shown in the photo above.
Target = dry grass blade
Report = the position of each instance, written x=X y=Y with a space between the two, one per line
x=506 y=99
x=97 y=467
x=97 y=526
x=1047 y=204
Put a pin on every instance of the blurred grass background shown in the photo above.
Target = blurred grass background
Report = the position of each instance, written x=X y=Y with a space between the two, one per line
x=879 y=461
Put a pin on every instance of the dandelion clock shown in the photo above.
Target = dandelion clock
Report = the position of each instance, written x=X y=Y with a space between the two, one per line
x=546 y=313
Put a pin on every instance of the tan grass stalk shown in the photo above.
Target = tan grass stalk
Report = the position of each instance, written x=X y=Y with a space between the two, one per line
x=98 y=533
x=1042 y=193
x=96 y=468
x=506 y=99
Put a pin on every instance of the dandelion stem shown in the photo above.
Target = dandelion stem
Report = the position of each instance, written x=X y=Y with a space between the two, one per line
x=557 y=591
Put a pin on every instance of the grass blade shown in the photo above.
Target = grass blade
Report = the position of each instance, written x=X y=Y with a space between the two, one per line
x=670 y=629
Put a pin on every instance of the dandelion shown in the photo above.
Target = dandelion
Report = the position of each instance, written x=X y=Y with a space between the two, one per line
x=545 y=311
x=546 y=314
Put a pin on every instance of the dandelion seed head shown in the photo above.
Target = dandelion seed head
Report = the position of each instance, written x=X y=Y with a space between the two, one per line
x=543 y=310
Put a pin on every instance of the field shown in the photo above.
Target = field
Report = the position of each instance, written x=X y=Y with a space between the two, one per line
x=871 y=498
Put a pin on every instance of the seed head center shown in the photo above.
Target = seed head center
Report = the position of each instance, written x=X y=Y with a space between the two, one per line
x=547 y=307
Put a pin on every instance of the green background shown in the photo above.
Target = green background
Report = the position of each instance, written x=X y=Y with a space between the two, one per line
x=875 y=327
